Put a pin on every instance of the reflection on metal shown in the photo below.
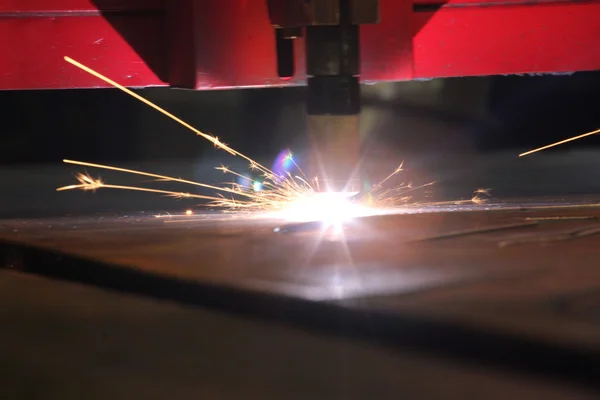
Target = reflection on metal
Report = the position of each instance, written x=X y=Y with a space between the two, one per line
x=373 y=265
x=582 y=305
x=560 y=218
x=299 y=227
x=556 y=237
x=477 y=231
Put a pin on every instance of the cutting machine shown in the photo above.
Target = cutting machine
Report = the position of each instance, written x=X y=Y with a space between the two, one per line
x=329 y=45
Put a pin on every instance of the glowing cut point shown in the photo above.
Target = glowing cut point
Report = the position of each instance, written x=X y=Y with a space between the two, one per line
x=332 y=208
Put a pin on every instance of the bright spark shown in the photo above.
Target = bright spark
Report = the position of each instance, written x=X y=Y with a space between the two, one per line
x=86 y=182
x=213 y=139
x=559 y=143
x=292 y=197
x=332 y=208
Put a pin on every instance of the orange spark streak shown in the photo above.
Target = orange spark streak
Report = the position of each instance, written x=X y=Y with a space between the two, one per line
x=559 y=143
x=213 y=140
x=162 y=177
x=284 y=189
x=88 y=183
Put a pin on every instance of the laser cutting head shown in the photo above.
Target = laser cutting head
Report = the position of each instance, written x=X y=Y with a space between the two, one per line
x=333 y=67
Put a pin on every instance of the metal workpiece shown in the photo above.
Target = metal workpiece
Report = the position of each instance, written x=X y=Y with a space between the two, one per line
x=459 y=284
x=517 y=323
x=335 y=151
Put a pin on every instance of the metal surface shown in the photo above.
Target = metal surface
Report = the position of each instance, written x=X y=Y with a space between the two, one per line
x=118 y=346
x=402 y=263
x=508 y=289
x=201 y=44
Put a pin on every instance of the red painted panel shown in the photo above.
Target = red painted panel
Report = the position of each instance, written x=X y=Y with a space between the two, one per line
x=230 y=43
x=33 y=49
x=235 y=45
x=506 y=40
x=386 y=48
x=495 y=3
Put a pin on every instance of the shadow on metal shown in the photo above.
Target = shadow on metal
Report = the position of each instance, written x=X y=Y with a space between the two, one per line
x=476 y=346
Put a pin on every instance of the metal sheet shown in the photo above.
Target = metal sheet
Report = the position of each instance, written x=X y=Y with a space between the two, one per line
x=135 y=347
x=399 y=262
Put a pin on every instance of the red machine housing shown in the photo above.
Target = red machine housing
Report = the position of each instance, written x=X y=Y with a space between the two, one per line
x=203 y=44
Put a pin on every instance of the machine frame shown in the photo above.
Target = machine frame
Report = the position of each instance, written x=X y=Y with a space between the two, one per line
x=230 y=43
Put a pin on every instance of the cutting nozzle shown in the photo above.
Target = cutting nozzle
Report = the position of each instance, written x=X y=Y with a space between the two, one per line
x=335 y=148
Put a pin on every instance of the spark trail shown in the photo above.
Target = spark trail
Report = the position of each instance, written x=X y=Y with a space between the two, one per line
x=560 y=142
x=86 y=182
x=282 y=191
x=213 y=139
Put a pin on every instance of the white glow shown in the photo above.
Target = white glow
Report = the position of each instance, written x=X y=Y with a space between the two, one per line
x=332 y=208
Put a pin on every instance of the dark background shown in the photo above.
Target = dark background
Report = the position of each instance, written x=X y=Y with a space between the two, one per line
x=461 y=133
x=512 y=112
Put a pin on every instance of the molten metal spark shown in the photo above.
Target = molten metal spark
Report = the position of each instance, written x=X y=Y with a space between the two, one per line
x=282 y=193
x=559 y=143
x=159 y=177
x=86 y=182
x=288 y=196
x=481 y=196
x=213 y=139
x=291 y=195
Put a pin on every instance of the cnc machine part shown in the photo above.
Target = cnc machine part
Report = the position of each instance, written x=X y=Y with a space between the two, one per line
x=332 y=66
x=333 y=102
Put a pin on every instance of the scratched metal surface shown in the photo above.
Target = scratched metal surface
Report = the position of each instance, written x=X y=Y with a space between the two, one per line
x=512 y=267
x=547 y=287
x=119 y=346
